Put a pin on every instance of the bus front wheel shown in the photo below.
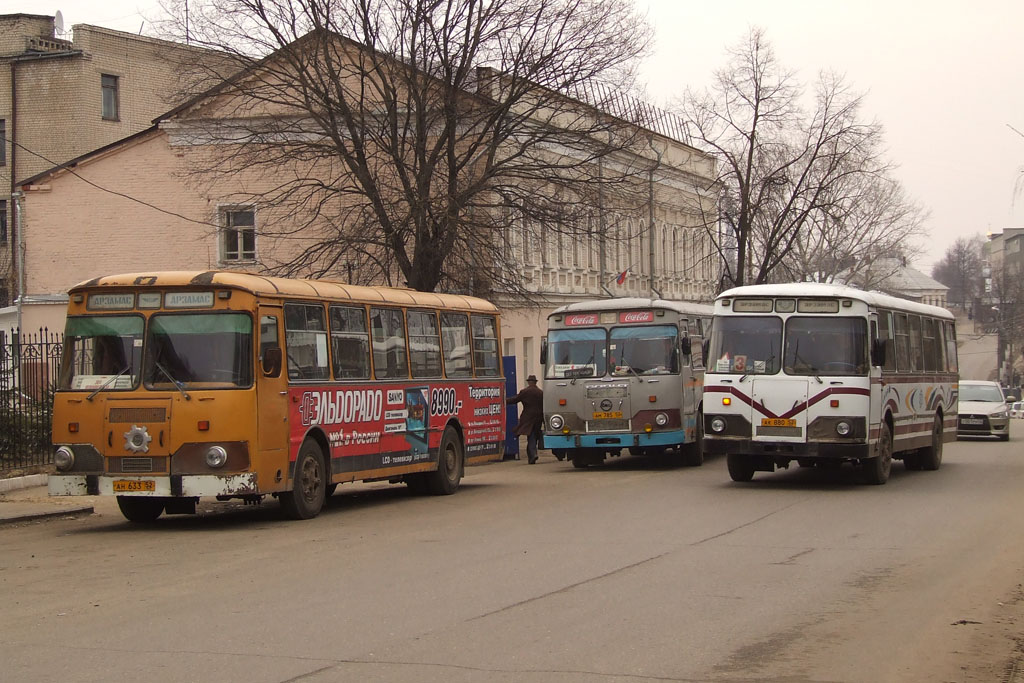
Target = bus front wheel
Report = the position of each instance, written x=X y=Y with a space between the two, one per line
x=140 y=510
x=875 y=470
x=741 y=467
x=694 y=452
x=445 y=479
x=309 y=486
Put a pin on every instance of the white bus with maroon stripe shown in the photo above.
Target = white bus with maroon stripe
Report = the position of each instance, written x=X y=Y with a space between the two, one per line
x=825 y=374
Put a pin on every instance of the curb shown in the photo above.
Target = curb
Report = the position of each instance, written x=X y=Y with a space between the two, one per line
x=28 y=481
x=43 y=514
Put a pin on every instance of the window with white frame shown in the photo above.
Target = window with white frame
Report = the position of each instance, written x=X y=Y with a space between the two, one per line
x=238 y=235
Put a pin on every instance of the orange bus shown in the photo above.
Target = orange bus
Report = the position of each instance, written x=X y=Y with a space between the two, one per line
x=181 y=385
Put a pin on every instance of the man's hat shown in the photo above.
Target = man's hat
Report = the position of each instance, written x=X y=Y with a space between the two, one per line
x=531 y=378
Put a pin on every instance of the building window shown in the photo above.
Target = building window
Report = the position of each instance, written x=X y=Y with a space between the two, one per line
x=238 y=236
x=3 y=221
x=110 y=97
x=3 y=142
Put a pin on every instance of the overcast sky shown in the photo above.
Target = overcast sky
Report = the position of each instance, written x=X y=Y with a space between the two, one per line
x=945 y=79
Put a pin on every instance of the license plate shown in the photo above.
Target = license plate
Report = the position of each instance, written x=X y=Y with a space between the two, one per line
x=971 y=421
x=125 y=485
x=611 y=415
x=777 y=422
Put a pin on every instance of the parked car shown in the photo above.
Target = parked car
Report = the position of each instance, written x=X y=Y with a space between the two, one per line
x=982 y=410
x=1017 y=409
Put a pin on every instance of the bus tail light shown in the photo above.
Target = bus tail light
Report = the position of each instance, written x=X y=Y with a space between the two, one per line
x=73 y=427
x=561 y=401
x=652 y=399
x=203 y=425
x=834 y=403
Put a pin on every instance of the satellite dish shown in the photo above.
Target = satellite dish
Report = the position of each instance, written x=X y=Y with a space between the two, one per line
x=58 y=22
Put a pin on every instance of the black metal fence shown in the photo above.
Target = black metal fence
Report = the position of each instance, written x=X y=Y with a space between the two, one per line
x=29 y=365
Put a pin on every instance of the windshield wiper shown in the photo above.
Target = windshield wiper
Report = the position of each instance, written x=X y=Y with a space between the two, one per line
x=107 y=383
x=177 y=385
x=572 y=382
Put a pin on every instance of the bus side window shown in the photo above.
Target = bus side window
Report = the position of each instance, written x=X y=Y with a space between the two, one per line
x=455 y=345
x=389 y=357
x=424 y=344
x=696 y=347
x=305 y=332
x=350 y=343
x=485 y=346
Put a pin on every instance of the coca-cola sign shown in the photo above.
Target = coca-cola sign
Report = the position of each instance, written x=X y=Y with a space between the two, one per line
x=581 y=319
x=636 y=317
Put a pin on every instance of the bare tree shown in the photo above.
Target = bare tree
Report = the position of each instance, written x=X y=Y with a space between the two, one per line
x=791 y=182
x=399 y=139
x=961 y=270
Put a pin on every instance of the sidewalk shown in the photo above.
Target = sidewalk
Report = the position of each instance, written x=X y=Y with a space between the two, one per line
x=25 y=498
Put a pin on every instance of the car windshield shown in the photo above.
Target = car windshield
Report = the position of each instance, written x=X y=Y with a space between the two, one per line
x=577 y=353
x=644 y=350
x=981 y=392
x=826 y=346
x=101 y=352
x=208 y=349
x=746 y=345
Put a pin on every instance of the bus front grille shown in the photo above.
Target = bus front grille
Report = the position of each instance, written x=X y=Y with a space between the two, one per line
x=608 y=426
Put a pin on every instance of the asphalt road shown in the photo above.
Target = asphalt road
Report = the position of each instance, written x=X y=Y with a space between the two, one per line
x=636 y=571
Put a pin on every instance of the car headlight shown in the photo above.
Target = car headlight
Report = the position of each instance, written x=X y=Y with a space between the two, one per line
x=998 y=413
x=661 y=419
x=556 y=421
x=64 y=458
x=216 y=456
x=842 y=428
x=718 y=425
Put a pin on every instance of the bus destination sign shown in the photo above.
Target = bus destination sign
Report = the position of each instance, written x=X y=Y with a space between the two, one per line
x=111 y=302
x=188 y=300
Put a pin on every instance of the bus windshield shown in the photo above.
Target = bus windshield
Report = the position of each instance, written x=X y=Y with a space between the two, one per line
x=647 y=350
x=101 y=352
x=826 y=346
x=746 y=345
x=577 y=353
x=209 y=349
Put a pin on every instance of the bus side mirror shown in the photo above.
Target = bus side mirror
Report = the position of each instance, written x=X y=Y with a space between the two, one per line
x=272 y=361
x=878 y=352
x=686 y=346
x=543 y=350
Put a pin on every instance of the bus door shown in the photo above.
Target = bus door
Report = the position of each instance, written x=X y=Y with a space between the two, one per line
x=778 y=410
x=272 y=387
x=690 y=366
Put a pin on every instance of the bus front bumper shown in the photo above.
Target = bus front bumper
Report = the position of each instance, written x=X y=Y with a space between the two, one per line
x=173 y=486
x=572 y=441
x=787 y=449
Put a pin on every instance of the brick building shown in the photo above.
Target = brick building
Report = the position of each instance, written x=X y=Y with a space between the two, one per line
x=60 y=99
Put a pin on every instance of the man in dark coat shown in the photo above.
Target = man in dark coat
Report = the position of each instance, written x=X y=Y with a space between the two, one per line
x=531 y=420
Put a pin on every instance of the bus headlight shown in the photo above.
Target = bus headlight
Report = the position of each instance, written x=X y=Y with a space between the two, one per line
x=718 y=425
x=661 y=419
x=842 y=428
x=216 y=456
x=64 y=458
x=556 y=421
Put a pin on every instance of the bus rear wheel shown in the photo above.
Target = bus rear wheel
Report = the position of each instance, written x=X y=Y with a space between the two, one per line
x=444 y=481
x=309 y=486
x=741 y=467
x=139 y=509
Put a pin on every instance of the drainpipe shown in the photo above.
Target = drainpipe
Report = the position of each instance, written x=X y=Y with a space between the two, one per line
x=19 y=251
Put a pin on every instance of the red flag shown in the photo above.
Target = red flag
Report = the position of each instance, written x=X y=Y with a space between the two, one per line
x=622 y=277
